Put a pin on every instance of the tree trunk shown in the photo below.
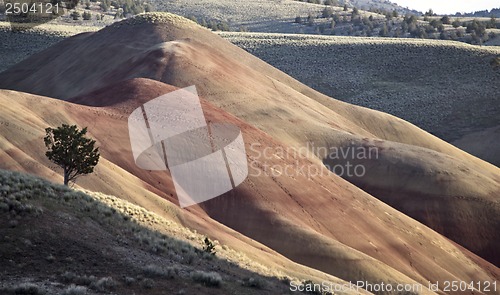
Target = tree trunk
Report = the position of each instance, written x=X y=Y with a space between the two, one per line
x=66 y=177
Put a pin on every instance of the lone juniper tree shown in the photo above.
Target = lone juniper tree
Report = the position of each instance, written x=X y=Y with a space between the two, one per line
x=71 y=150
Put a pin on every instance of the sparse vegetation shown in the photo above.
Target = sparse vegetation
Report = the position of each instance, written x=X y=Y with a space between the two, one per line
x=147 y=283
x=74 y=279
x=104 y=284
x=256 y=283
x=154 y=271
x=389 y=23
x=209 y=279
x=128 y=224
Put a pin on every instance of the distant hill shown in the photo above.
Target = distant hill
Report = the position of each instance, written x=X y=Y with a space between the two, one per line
x=430 y=83
x=482 y=13
x=367 y=18
x=382 y=5
x=265 y=15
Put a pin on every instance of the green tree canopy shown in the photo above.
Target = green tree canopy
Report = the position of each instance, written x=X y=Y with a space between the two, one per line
x=71 y=150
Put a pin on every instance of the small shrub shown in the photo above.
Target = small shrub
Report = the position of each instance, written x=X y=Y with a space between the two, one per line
x=327 y=12
x=147 y=283
x=256 y=283
x=87 y=15
x=75 y=15
x=209 y=246
x=50 y=258
x=189 y=257
x=209 y=279
x=13 y=223
x=75 y=290
x=68 y=277
x=4 y=207
x=129 y=281
x=71 y=277
x=154 y=271
x=104 y=284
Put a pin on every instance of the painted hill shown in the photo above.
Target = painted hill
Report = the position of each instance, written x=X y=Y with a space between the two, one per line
x=404 y=91
x=358 y=243
x=318 y=220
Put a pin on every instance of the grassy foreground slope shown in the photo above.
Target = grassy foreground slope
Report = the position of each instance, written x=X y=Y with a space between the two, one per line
x=447 y=88
x=56 y=240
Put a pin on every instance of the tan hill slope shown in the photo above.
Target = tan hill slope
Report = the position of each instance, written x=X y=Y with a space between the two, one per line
x=347 y=232
x=23 y=127
x=317 y=220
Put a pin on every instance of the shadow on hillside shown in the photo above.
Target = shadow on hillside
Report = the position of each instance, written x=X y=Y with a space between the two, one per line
x=59 y=238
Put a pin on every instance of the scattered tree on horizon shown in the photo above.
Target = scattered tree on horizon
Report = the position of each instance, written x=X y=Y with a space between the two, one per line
x=331 y=2
x=87 y=15
x=446 y=20
x=75 y=15
x=430 y=13
x=310 y=20
x=327 y=12
x=384 y=31
x=389 y=23
x=332 y=24
x=71 y=150
x=355 y=11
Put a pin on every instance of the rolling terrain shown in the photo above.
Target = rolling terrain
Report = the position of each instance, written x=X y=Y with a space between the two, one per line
x=433 y=84
x=378 y=73
x=323 y=223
